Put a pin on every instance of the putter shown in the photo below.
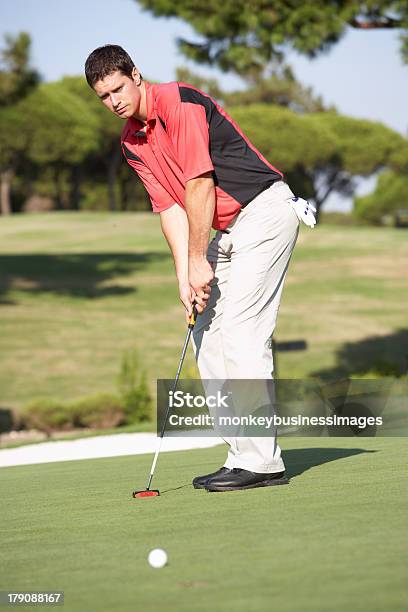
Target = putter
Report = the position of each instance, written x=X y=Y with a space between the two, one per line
x=148 y=492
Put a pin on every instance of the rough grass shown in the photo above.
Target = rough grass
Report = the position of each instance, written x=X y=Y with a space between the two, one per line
x=333 y=539
x=78 y=289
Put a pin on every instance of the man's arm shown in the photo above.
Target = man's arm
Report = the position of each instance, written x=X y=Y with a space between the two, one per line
x=174 y=224
x=187 y=233
x=200 y=205
x=187 y=128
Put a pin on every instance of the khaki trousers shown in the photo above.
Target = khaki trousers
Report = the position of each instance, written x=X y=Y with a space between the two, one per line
x=232 y=338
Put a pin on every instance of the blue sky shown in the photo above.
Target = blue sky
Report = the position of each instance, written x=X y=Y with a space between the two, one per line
x=363 y=75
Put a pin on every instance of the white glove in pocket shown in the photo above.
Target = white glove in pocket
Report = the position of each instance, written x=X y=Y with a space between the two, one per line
x=304 y=211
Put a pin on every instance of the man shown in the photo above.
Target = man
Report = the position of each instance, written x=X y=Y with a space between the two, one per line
x=200 y=172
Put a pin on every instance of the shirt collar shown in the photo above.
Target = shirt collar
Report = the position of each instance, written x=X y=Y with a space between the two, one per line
x=150 y=107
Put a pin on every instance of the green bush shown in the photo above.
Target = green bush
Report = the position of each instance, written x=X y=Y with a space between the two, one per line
x=133 y=389
x=100 y=411
x=391 y=194
x=94 y=197
x=47 y=415
x=8 y=420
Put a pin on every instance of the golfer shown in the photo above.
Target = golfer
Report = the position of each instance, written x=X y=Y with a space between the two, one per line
x=202 y=172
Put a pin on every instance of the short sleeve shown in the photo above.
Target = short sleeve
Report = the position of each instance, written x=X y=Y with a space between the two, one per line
x=159 y=197
x=187 y=128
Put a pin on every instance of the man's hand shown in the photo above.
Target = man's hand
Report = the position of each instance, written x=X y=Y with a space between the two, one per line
x=187 y=298
x=200 y=275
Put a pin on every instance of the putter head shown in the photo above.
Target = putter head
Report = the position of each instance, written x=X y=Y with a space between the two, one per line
x=146 y=493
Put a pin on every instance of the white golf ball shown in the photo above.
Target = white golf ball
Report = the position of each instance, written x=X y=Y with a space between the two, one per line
x=157 y=557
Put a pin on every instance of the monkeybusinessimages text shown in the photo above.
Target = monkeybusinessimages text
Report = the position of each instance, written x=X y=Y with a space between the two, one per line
x=180 y=399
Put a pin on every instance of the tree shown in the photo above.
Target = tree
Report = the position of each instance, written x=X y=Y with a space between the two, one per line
x=17 y=79
x=363 y=148
x=12 y=145
x=279 y=87
x=61 y=132
x=209 y=85
x=244 y=35
x=109 y=129
x=390 y=195
x=320 y=153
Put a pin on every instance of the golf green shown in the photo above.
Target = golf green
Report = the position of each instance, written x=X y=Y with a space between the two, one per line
x=334 y=538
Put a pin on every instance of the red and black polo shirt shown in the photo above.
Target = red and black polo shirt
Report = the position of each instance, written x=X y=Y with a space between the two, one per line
x=188 y=134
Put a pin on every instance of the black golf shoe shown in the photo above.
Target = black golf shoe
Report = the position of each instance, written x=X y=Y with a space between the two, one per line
x=199 y=482
x=237 y=479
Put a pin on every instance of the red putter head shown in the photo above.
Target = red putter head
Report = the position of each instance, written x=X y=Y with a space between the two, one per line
x=146 y=493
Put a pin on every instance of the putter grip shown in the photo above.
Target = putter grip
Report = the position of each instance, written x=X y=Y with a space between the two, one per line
x=193 y=318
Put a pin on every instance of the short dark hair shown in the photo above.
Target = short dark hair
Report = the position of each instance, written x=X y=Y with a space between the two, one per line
x=106 y=60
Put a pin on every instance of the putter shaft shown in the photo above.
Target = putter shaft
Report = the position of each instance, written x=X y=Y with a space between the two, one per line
x=174 y=388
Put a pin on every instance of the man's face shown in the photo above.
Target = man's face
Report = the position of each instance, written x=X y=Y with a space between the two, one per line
x=120 y=94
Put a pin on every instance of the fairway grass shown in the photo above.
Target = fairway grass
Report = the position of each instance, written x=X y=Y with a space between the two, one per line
x=334 y=539
x=79 y=289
